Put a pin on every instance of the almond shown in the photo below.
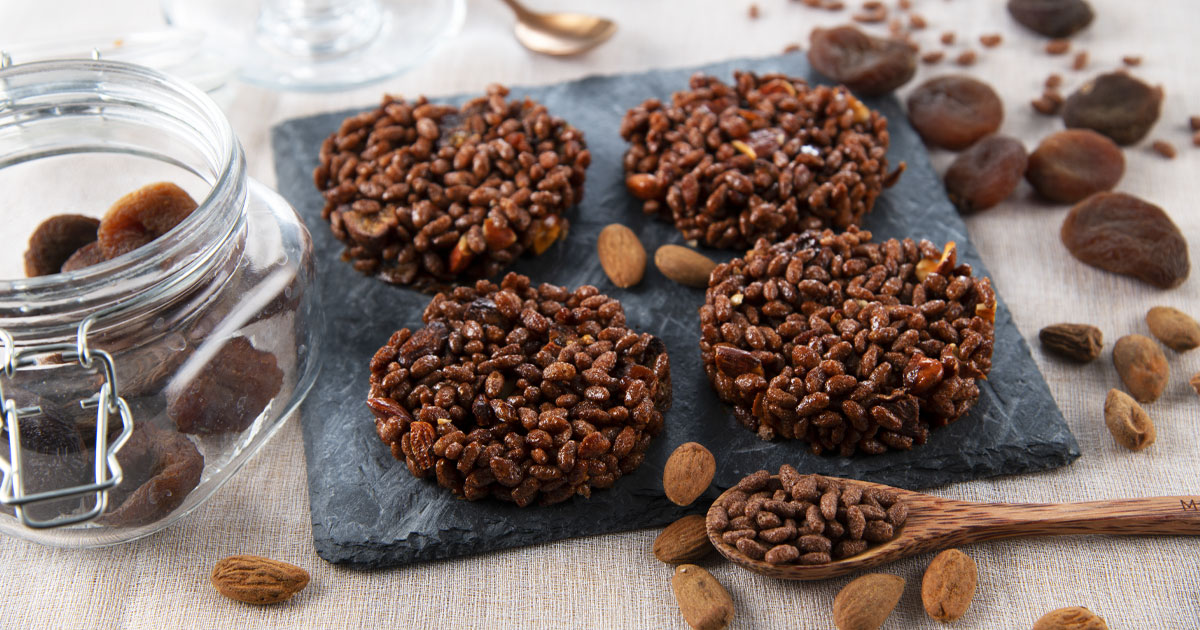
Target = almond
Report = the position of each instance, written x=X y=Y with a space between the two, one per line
x=1142 y=366
x=949 y=585
x=866 y=602
x=1072 y=618
x=684 y=265
x=460 y=256
x=685 y=540
x=688 y=473
x=546 y=232
x=1176 y=329
x=257 y=580
x=705 y=604
x=1078 y=342
x=734 y=362
x=621 y=255
x=644 y=187
x=1129 y=424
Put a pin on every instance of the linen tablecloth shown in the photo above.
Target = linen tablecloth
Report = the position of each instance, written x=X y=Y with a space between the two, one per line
x=613 y=581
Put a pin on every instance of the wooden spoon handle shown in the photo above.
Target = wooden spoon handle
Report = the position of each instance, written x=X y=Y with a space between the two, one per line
x=1151 y=515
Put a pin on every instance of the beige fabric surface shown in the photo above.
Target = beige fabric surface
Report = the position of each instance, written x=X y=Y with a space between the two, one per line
x=613 y=581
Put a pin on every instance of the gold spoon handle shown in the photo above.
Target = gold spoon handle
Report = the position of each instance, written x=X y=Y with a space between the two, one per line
x=1151 y=515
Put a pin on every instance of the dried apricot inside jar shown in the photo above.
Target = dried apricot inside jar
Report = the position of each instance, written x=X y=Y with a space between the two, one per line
x=177 y=341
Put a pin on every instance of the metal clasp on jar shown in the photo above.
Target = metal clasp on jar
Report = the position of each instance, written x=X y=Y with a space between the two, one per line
x=107 y=401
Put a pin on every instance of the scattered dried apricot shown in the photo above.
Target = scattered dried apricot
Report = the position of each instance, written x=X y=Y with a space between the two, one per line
x=1123 y=234
x=954 y=111
x=1072 y=164
x=55 y=240
x=868 y=65
x=1052 y=18
x=986 y=174
x=1115 y=104
x=142 y=216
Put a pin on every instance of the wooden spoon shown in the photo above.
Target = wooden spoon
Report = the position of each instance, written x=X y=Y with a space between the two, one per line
x=935 y=523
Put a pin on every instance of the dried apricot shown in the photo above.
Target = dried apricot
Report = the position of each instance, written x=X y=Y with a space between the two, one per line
x=53 y=242
x=1115 y=104
x=868 y=65
x=53 y=458
x=161 y=468
x=1072 y=164
x=1052 y=18
x=986 y=174
x=229 y=392
x=142 y=216
x=84 y=257
x=954 y=111
x=1123 y=234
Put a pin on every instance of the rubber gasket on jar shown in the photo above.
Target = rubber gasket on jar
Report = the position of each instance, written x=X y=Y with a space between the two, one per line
x=427 y=195
x=847 y=344
x=766 y=157
x=521 y=392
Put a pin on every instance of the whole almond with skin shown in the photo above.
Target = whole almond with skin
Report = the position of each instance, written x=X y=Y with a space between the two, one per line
x=257 y=580
x=705 y=604
x=1142 y=366
x=1195 y=382
x=685 y=540
x=621 y=255
x=949 y=585
x=865 y=603
x=1129 y=424
x=1071 y=618
x=1078 y=342
x=1176 y=329
x=684 y=265
x=688 y=473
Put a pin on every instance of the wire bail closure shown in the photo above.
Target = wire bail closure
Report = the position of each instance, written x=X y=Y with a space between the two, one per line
x=107 y=402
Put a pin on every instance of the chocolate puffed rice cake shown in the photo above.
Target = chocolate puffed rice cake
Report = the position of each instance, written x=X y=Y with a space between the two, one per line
x=426 y=195
x=519 y=392
x=766 y=157
x=848 y=344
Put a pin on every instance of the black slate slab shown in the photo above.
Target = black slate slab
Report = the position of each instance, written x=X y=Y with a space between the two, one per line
x=368 y=511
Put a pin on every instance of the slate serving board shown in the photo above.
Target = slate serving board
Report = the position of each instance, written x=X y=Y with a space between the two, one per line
x=368 y=511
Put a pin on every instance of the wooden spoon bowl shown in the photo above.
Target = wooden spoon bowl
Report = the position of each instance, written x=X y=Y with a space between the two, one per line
x=935 y=523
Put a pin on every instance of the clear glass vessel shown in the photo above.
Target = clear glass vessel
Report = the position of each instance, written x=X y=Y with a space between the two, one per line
x=136 y=387
x=320 y=45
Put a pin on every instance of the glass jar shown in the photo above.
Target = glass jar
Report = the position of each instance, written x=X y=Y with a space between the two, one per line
x=136 y=387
